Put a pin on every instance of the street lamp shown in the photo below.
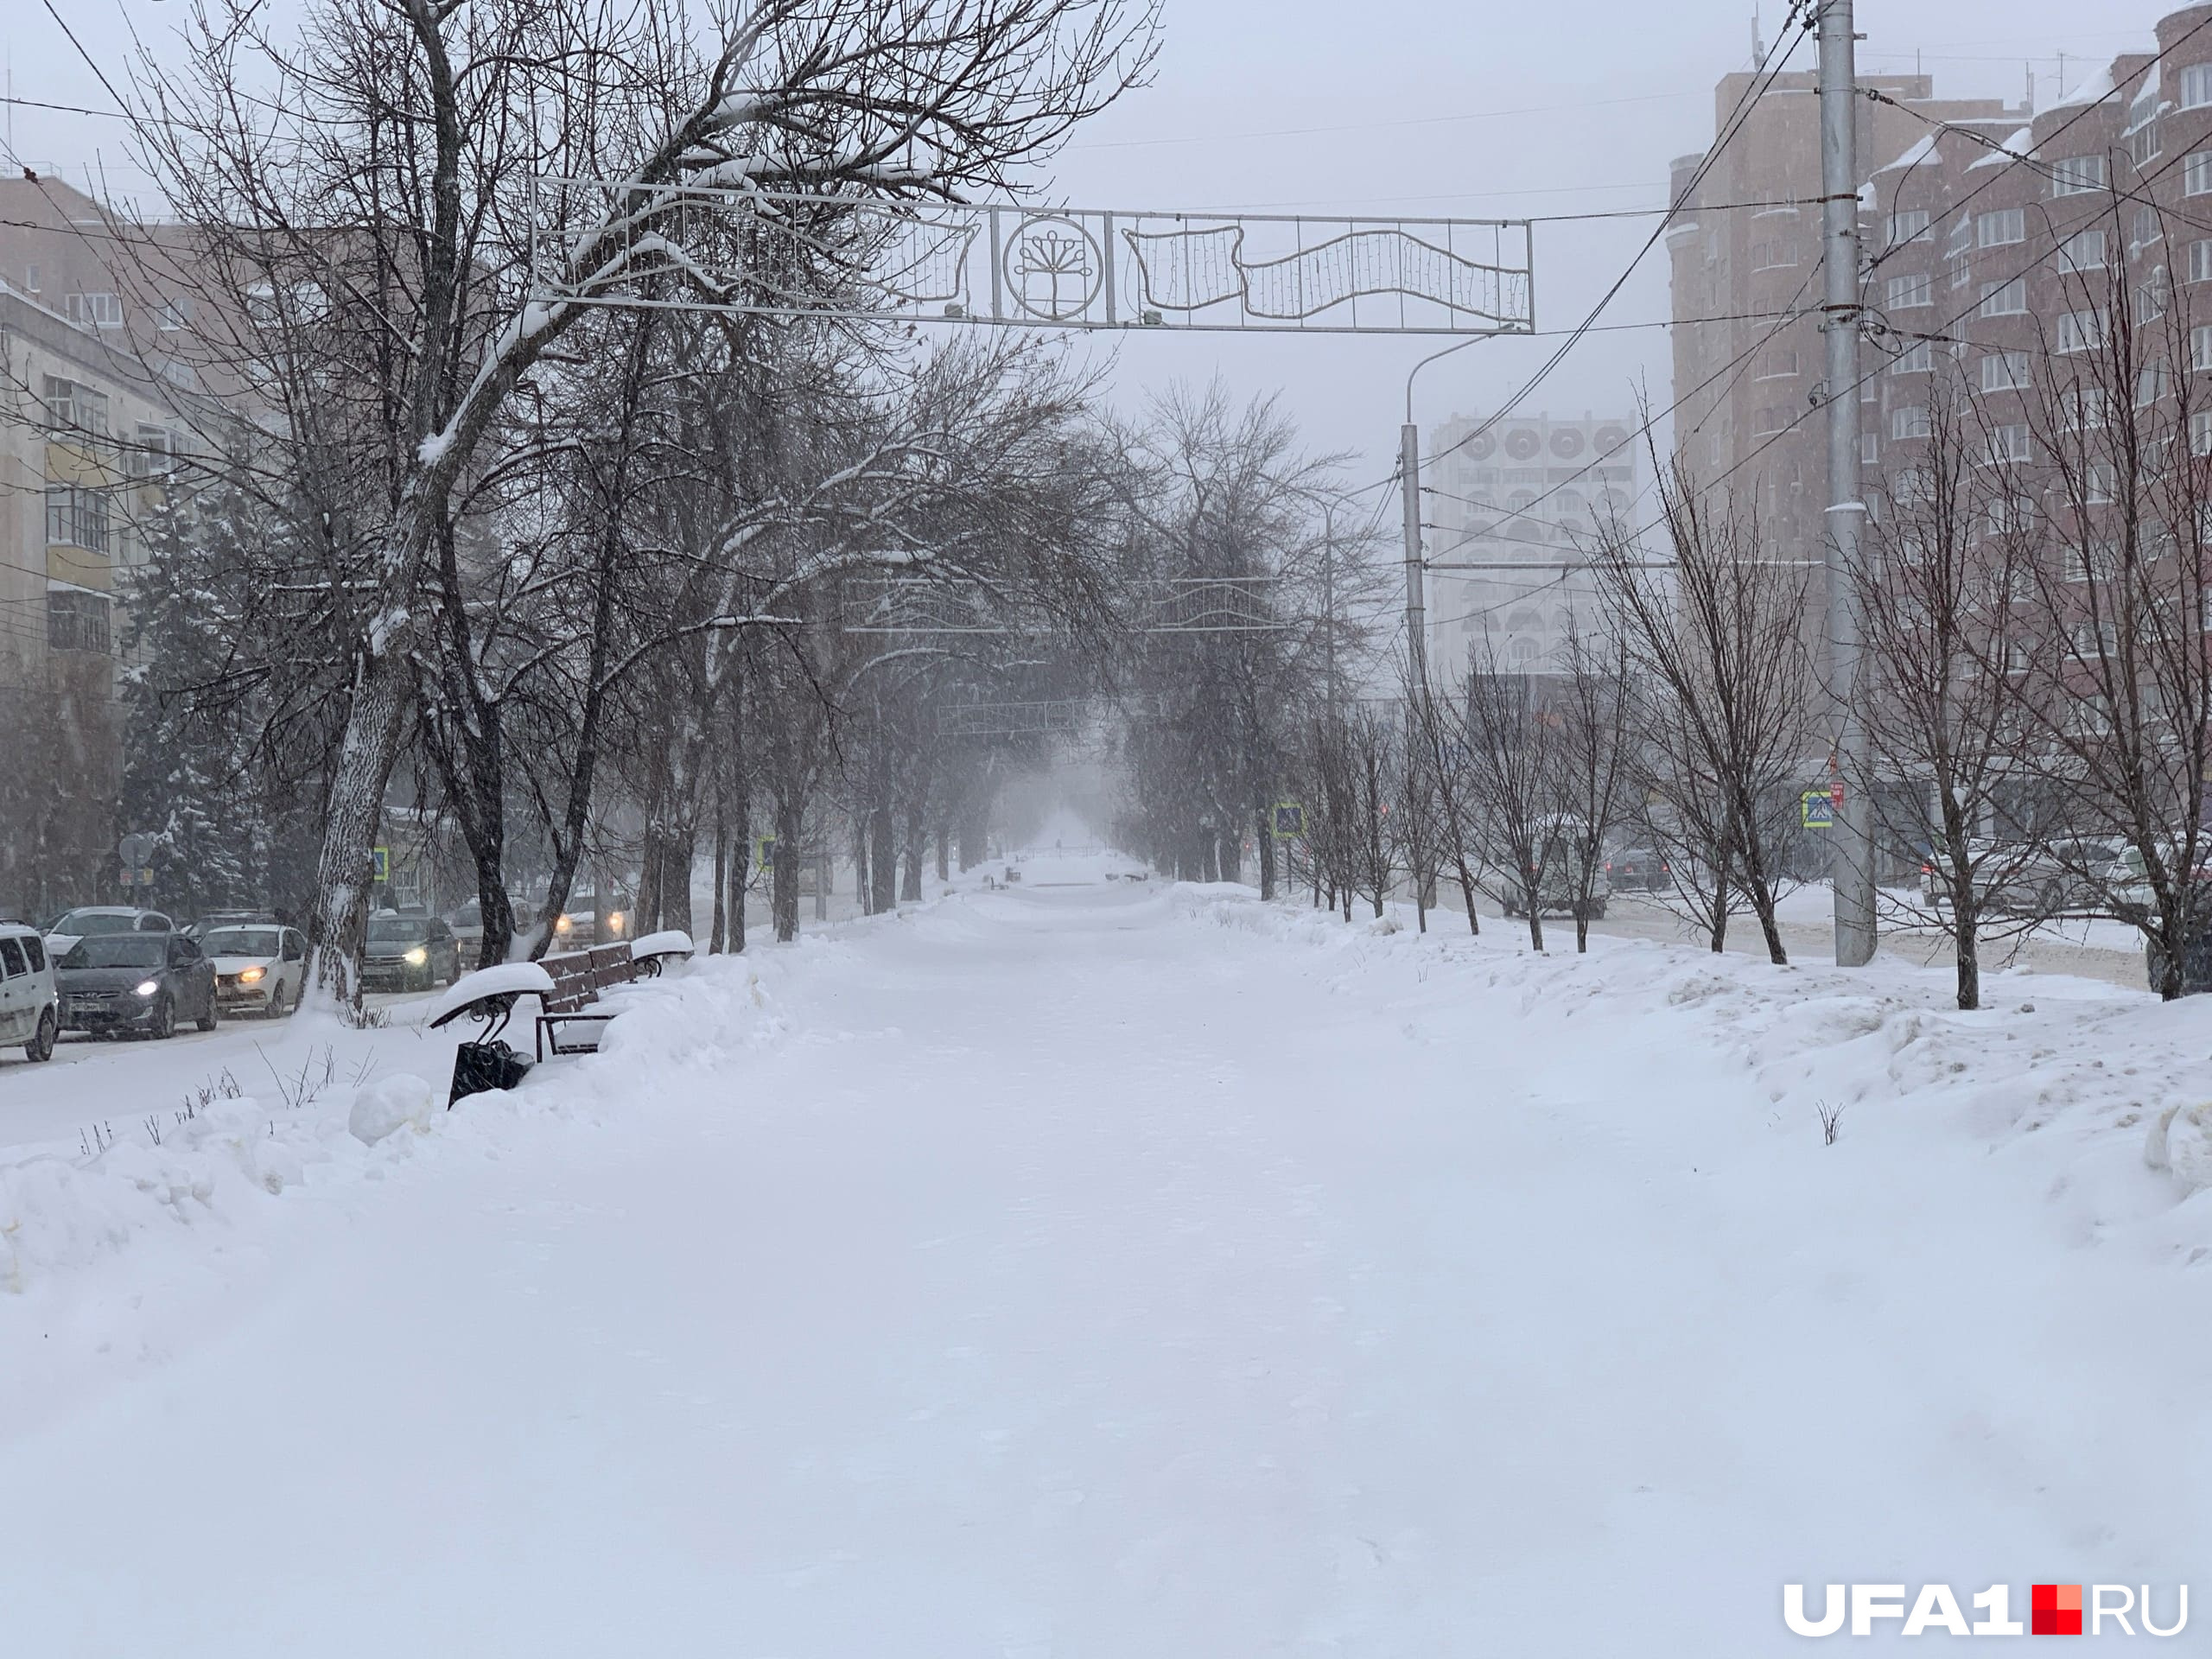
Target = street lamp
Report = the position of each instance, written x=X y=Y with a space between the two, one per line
x=1410 y=476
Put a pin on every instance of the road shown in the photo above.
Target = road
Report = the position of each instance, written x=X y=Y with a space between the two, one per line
x=1073 y=1272
x=115 y=1082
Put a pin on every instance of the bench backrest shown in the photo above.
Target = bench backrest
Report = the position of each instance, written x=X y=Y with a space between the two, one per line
x=572 y=982
x=612 y=964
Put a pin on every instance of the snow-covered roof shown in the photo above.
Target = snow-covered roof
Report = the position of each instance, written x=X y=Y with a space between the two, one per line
x=1913 y=157
x=2019 y=146
x=2094 y=90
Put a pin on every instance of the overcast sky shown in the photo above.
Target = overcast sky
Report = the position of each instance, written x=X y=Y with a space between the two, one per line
x=1385 y=104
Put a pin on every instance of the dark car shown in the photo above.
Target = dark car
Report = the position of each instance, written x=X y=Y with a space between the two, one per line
x=409 y=953
x=143 y=982
x=1638 y=869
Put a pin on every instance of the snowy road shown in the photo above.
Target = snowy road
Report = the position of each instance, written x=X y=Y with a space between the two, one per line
x=1085 y=1271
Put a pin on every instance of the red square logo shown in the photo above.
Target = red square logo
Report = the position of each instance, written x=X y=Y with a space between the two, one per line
x=2054 y=1610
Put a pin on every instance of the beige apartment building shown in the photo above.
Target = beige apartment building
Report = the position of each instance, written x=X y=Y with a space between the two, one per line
x=89 y=433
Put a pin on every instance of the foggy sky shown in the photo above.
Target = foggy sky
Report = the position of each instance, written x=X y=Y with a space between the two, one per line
x=1624 y=85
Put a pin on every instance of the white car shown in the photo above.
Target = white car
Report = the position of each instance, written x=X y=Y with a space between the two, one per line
x=30 y=1008
x=87 y=919
x=258 y=969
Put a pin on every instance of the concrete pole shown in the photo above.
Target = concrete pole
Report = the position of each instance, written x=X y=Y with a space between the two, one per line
x=1847 y=512
x=1416 y=610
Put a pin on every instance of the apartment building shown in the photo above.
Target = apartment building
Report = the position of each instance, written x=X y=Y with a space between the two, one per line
x=1525 y=499
x=90 y=430
x=1746 y=284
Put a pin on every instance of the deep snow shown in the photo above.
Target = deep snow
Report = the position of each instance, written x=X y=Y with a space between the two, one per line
x=1098 y=1269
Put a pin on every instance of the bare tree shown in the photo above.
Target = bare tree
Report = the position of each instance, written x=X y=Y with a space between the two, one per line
x=1513 y=773
x=1943 y=693
x=1721 y=643
x=376 y=183
x=1591 y=705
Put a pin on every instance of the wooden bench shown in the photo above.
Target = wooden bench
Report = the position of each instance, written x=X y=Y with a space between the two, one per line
x=566 y=988
x=578 y=978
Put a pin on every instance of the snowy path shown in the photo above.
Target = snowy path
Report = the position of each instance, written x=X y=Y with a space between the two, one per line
x=1071 y=1275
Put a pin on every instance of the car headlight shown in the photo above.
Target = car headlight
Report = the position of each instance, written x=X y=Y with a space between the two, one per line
x=146 y=987
x=251 y=975
x=563 y=924
x=615 y=921
x=418 y=956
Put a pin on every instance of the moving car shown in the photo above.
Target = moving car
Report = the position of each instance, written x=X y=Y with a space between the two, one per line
x=259 y=969
x=202 y=926
x=409 y=953
x=29 y=1012
x=1638 y=869
x=88 y=920
x=115 y=982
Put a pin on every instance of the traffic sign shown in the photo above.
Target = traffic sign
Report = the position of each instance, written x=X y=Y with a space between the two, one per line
x=379 y=864
x=1290 y=820
x=1815 y=810
x=766 y=850
x=136 y=850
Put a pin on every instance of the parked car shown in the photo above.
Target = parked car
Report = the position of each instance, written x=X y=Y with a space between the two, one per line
x=578 y=925
x=89 y=920
x=409 y=953
x=29 y=1011
x=138 y=981
x=1559 y=889
x=259 y=969
x=1638 y=869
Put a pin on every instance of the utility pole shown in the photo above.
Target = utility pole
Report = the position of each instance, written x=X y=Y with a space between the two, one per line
x=1854 y=862
x=1416 y=611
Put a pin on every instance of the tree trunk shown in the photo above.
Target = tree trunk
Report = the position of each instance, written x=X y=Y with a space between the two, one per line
x=720 y=918
x=944 y=852
x=910 y=885
x=883 y=861
x=784 y=862
x=384 y=691
x=1264 y=838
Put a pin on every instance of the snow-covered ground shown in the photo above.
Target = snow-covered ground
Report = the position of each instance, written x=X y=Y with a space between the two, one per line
x=1098 y=1269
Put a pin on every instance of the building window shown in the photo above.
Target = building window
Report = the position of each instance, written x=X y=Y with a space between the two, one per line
x=2150 y=386
x=2200 y=432
x=1906 y=292
x=1869 y=448
x=2081 y=331
x=1905 y=226
x=2200 y=347
x=2145 y=228
x=1765 y=423
x=96 y=310
x=1779 y=364
x=1919 y=357
x=2077 y=174
x=175 y=315
x=2010 y=442
x=2004 y=299
x=76 y=620
x=1767 y=256
x=2003 y=371
x=153 y=454
x=2001 y=228
x=72 y=410
x=2196 y=175
x=30 y=279
x=76 y=516
x=2153 y=297
x=2083 y=409
x=2084 y=250
x=1910 y=422
x=2197 y=86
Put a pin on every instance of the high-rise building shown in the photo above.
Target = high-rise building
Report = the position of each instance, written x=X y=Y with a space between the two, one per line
x=1525 y=497
x=1745 y=254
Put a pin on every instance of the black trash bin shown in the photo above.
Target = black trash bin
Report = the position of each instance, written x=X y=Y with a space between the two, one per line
x=484 y=1066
